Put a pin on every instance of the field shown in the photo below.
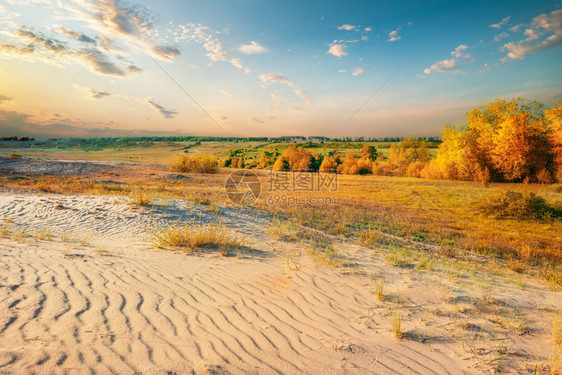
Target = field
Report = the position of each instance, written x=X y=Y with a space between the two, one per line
x=330 y=277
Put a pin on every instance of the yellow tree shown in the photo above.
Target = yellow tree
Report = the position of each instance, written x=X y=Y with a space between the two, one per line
x=349 y=164
x=329 y=164
x=553 y=117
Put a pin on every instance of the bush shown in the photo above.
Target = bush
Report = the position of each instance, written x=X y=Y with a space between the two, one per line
x=201 y=163
x=516 y=205
x=13 y=155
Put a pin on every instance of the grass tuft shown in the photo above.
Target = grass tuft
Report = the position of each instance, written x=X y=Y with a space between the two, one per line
x=192 y=236
x=396 y=319
x=141 y=199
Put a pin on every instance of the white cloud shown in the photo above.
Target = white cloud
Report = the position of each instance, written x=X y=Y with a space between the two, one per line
x=336 y=49
x=303 y=95
x=216 y=51
x=544 y=33
x=278 y=100
x=252 y=49
x=393 y=36
x=500 y=36
x=501 y=23
x=458 y=52
x=358 y=71
x=485 y=68
x=368 y=28
x=347 y=27
x=449 y=65
x=226 y=93
x=279 y=78
x=276 y=78
x=237 y=63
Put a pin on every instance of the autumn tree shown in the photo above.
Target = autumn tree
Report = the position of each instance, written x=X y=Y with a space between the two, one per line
x=329 y=164
x=553 y=118
x=349 y=164
x=295 y=159
x=406 y=152
x=368 y=152
x=503 y=141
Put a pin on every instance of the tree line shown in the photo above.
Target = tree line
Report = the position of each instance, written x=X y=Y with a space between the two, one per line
x=504 y=141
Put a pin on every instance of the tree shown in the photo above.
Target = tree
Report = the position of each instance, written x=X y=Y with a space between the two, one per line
x=295 y=159
x=329 y=164
x=369 y=152
x=502 y=141
x=553 y=118
x=349 y=164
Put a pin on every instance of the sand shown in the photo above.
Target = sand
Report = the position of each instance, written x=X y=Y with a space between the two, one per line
x=97 y=297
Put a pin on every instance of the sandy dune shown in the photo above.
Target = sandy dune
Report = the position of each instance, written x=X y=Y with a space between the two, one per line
x=103 y=300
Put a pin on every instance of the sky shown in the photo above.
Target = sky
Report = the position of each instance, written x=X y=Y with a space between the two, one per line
x=245 y=68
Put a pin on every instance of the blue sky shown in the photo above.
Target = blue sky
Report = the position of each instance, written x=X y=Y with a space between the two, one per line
x=268 y=68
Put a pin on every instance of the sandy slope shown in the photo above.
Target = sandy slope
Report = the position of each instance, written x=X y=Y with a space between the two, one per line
x=117 y=305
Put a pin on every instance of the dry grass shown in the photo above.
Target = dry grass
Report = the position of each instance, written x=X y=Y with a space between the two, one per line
x=284 y=230
x=379 y=290
x=191 y=236
x=557 y=328
x=396 y=320
x=555 y=360
x=141 y=199
x=14 y=155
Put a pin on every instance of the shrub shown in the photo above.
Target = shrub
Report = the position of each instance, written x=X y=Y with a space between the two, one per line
x=201 y=163
x=13 y=155
x=516 y=205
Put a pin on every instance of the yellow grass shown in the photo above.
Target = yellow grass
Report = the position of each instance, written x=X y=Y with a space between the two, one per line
x=194 y=235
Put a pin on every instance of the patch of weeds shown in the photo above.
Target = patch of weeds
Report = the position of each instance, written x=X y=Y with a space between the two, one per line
x=284 y=230
x=369 y=237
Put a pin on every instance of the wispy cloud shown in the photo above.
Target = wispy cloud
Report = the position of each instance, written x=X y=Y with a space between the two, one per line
x=279 y=78
x=94 y=94
x=166 y=113
x=347 y=27
x=449 y=65
x=252 y=49
x=500 y=36
x=254 y=119
x=76 y=35
x=99 y=94
x=337 y=48
x=26 y=43
x=485 y=68
x=544 y=33
x=358 y=71
x=131 y=24
x=303 y=95
x=5 y=99
x=501 y=23
x=226 y=93
x=279 y=102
